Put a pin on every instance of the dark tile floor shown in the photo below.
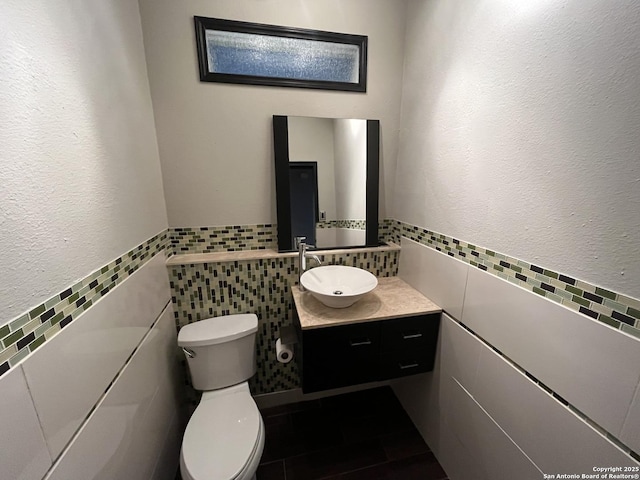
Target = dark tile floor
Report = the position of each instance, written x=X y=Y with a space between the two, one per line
x=355 y=436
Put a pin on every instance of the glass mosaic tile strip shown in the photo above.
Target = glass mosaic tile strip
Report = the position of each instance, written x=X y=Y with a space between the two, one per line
x=262 y=287
x=389 y=231
x=614 y=309
x=25 y=334
x=222 y=238
x=557 y=397
x=350 y=224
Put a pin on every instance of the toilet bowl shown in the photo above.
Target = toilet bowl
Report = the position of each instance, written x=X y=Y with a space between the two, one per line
x=224 y=438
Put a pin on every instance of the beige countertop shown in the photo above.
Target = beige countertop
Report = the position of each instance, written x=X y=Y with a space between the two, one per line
x=392 y=298
x=245 y=255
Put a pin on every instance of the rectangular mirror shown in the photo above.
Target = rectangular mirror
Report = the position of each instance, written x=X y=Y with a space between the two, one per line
x=327 y=172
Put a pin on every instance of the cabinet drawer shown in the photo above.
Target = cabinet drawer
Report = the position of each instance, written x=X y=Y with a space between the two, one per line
x=345 y=342
x=394 y=365
x=401 y=334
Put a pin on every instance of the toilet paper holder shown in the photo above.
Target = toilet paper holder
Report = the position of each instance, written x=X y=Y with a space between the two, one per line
x=285 y=345
x=288 y=335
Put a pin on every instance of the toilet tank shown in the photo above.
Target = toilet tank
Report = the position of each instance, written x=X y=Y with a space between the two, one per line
x=220 y=351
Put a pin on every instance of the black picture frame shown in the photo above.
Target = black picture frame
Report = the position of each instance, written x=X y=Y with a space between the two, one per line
x=203 y=24
x=283 y=199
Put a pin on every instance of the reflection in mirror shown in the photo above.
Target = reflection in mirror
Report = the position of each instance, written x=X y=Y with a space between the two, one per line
x=326 y=181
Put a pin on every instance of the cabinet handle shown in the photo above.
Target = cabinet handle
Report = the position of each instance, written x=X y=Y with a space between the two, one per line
x=409 y=336
x=357 y=343
x=408 y=365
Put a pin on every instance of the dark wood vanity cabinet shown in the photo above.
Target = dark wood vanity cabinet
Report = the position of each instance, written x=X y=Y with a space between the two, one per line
x=337 y=356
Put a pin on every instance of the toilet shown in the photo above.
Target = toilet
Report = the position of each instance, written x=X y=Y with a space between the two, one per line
x=224 y=438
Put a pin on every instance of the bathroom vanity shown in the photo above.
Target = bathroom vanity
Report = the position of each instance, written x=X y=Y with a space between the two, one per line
x=391 y=332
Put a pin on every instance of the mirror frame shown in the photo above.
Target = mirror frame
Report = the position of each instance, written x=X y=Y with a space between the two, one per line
x=281 y=154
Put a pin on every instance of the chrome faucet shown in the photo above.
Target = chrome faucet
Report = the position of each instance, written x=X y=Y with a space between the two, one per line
x=302 y=258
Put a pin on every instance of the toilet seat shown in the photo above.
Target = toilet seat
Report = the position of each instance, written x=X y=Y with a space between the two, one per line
x=224 y=437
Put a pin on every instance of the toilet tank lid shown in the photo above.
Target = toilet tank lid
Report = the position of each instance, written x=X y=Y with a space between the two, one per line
x=217 y=330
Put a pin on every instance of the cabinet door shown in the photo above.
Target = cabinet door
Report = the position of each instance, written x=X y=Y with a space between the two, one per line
x=340 y=356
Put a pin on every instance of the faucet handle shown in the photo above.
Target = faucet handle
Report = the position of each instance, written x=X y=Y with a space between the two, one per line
x=298 y=241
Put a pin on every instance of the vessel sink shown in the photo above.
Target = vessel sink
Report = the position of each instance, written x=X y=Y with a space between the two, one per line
x=338 y=286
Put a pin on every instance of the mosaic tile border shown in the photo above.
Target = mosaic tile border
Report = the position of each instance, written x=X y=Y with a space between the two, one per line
x=389 y=231
x=227 y=238
x=558 y=398
x=23 y=335
x=263 y=287
x=614 y=309
x=350 y=224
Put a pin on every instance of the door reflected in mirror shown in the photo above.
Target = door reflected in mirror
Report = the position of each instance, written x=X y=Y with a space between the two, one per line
x=322 y=170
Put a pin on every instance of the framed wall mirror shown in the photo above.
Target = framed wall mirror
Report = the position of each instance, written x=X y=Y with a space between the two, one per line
x=327 y=172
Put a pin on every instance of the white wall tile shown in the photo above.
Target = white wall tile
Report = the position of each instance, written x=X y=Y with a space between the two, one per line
x=493 y=451
x=456 y=460
x=23 y=452
x=460 y=353
x=631 y=429
x=169 y=458
x=551 y=435
x=581 y=359
x=419 y=396
x=125 y=435
x=69 y=374
x=435 y=275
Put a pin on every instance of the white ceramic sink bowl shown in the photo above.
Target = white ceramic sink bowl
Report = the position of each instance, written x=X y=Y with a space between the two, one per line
x=338 y=286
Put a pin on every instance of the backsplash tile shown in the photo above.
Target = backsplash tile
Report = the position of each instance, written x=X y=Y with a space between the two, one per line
x=222 y=238
x=351 y=224
x=614 y=309
x=389 y=231
x=262 y=287
x=29 y=331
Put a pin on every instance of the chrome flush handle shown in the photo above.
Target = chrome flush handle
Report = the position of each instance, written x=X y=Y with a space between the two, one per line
x=189 y=353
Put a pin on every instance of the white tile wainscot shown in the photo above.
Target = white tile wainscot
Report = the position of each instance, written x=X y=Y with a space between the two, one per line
x=23 y=451
x=68 y=374
x=127 y=432
x=475 y=393
x=594 y=367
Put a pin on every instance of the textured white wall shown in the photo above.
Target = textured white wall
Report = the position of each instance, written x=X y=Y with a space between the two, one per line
x=215 y=140
x=519 y=131
x=80 y=182
x=350 y=143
